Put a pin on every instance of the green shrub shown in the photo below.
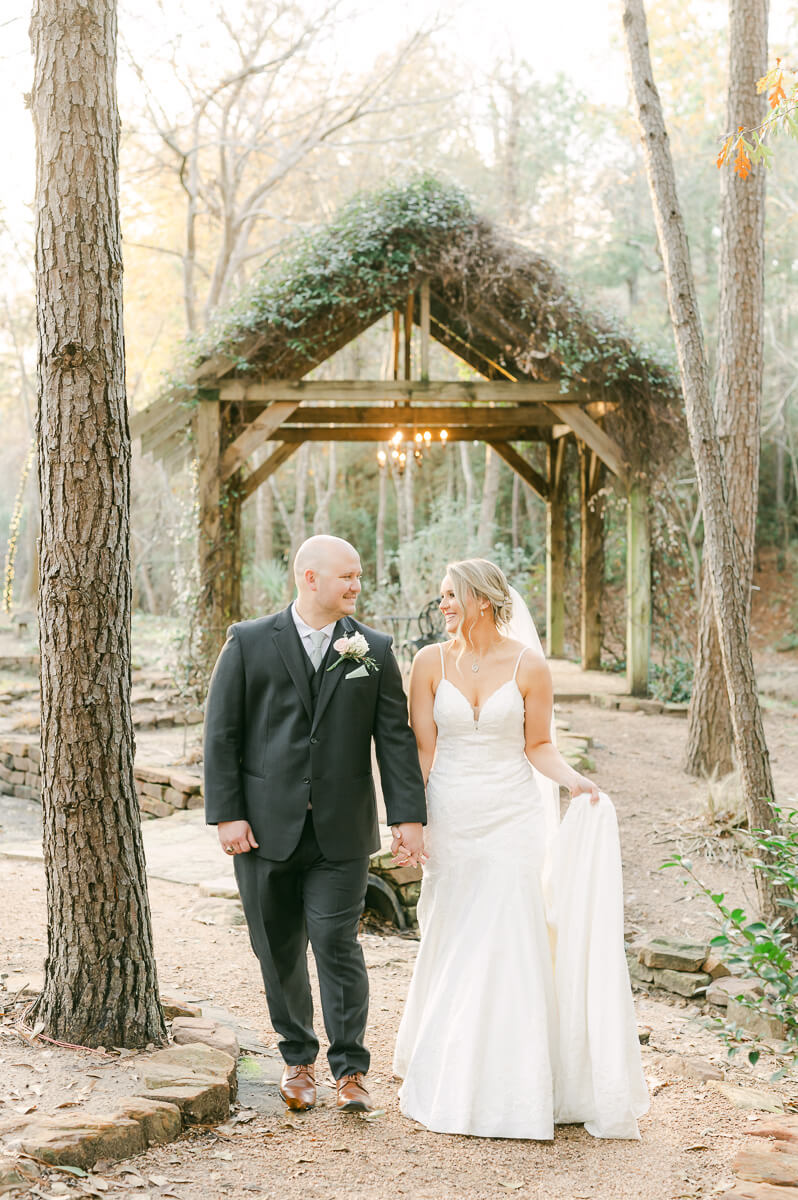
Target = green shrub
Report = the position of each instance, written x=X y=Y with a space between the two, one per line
x=761 y=950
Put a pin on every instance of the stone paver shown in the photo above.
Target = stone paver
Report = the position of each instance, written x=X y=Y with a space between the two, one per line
x=188 y=1030
x=668 y=953
x=199 y=1080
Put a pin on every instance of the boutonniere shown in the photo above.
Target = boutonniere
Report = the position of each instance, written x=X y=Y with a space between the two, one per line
x=356 y=649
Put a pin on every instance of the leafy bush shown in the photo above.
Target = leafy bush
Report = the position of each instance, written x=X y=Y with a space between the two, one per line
x=266 y=586
x=761 y=950
x=672 y=681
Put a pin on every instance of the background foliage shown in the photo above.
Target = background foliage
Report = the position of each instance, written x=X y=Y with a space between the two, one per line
x=562 y=174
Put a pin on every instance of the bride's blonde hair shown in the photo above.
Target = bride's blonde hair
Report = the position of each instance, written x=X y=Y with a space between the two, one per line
x=485 y=581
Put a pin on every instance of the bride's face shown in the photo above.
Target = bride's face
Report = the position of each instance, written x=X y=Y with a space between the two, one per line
x=452 y=610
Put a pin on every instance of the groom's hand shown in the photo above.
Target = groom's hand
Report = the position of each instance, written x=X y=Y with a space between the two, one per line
x=407 y=846
x=236 y=837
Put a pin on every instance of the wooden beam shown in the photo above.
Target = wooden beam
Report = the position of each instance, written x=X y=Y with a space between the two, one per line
x=147 y=418
x=592 y=555
x=555 y=551
x=409 y=310
x=377 y=433
x=424 y=317
x=521 y=467
x=256 y=433
x=280 y=454
x=593 y=435
x=176 y=421
x=171 y=445
x=447 y=391
x=416 y=416
x=638 y=588
x=395 y=343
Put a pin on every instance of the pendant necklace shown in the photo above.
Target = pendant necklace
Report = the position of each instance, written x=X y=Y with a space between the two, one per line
x=475 y=666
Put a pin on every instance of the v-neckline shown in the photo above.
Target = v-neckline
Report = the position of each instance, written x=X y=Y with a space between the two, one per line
x=477 y=712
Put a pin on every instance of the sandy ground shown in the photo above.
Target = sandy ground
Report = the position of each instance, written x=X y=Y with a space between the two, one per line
x=688 y=1139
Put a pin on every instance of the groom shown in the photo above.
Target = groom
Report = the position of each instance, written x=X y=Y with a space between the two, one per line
x=290 y=716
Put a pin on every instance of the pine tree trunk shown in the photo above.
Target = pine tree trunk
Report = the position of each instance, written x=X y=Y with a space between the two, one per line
x=738 y=391
x=515 y=514
x=380 y=527
x=710 y=737
x=468 y=480
x=720 y=549
x=100 y=982
x=487 y=510
x=264 y=517
x=409 y=497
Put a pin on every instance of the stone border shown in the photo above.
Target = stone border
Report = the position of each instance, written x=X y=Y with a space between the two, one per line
x=192 y=1082
x=690 y=970
x=161 y=790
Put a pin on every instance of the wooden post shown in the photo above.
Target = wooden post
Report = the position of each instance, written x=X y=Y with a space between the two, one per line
x=397 y=323
x=424 y=296
x=219 y=505
x=592 y=555
x=638 y=587
x=555 y=550
x=410 y=307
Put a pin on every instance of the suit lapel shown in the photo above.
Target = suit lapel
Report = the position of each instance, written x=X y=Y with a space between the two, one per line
x=288 y=643
x=331 y=679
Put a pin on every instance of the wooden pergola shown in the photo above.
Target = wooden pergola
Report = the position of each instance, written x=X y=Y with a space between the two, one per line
x=251 y=391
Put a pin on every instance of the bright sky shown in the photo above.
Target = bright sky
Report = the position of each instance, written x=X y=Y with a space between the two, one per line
x=578 y=37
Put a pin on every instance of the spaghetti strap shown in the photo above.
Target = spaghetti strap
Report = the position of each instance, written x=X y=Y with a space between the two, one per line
x=443 y=664
x=518 y=661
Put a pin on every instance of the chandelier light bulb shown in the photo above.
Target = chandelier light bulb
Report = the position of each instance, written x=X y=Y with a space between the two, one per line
x=427 y=436
x=444 y=436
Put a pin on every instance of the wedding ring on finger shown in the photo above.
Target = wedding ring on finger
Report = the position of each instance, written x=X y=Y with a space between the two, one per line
x=229 y=850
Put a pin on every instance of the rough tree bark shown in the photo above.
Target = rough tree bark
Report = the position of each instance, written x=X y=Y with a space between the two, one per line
x=720 y=549
x=100 y=981
x=738 y=387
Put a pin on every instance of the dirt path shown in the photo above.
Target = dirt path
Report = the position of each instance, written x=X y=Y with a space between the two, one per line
x=689 y=1137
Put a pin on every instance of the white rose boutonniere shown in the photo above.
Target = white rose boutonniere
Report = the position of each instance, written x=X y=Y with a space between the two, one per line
x=356 y=649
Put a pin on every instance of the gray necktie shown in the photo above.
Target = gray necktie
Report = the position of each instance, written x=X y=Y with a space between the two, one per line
x=317 y=637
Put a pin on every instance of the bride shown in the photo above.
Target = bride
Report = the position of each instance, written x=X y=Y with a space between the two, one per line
x=519 y=1014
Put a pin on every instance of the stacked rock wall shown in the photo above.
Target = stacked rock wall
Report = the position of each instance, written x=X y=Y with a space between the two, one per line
x=161 y=790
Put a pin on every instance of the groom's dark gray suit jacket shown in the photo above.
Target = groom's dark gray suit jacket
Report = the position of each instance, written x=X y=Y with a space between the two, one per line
x=269 y=751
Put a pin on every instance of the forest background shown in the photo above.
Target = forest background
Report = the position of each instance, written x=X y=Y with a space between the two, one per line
x=244 y=128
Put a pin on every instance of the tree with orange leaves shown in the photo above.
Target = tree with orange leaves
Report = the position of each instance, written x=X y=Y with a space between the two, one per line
x=747 y=147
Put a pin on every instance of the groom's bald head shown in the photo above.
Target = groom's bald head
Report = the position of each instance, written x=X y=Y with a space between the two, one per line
x=327 y=572
x=319 y=551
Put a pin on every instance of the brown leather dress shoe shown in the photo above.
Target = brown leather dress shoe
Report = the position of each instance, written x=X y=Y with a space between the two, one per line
x=298 y=1086
x=351 y=1094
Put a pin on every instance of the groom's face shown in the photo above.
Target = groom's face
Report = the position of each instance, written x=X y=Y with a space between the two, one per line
x=338 y=584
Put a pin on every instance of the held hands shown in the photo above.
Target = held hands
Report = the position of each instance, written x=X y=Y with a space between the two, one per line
x=407 y=846
x=582 y=784
x=236 y=837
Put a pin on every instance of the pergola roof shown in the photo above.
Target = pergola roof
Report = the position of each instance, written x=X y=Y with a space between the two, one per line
x=500 y=307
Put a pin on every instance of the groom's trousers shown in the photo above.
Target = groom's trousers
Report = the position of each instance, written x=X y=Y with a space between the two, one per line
x=308 y=898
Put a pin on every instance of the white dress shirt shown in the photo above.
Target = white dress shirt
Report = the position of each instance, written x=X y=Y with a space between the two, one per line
x=304 y=630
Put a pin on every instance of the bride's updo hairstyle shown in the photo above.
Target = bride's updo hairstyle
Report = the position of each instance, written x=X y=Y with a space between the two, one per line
x=486 y=582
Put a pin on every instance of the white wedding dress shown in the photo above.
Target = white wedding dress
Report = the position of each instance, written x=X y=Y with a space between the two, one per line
x=519 y=1014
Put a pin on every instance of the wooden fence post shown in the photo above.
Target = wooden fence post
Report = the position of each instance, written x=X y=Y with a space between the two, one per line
x=591 y=471
x=555 y=550
x=638 y=587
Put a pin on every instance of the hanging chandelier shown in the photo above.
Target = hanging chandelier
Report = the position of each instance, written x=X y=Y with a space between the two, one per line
x=401 y=449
